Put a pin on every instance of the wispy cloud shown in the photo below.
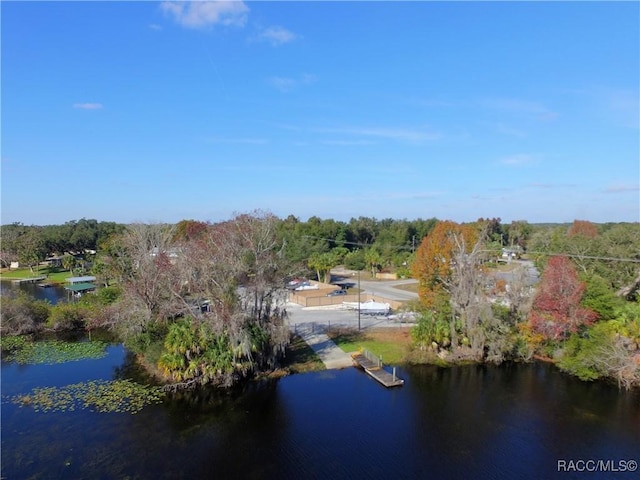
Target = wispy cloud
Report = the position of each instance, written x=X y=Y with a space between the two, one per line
x=519 y=159
x=347 y=143
x=400 y=134
x=88 y=106
x=550 y=186
x=287 y=84
x=155 y=26
x=276 y=35
x=622 y=188
x=619 y=105
x=247 y=141
x=623 y=105
x=526 y=107
x=202 y=14
x=503 y=129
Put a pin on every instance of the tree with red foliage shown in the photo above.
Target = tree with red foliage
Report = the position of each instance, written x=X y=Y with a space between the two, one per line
x=556 y=311
x=190 y=230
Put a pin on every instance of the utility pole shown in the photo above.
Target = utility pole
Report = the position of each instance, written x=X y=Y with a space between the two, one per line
x=358 y=300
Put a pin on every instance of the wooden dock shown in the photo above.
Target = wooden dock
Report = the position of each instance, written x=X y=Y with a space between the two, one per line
x=29 y=280
x=371 y=364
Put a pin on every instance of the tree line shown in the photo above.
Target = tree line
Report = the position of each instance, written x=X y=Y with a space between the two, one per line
x=204 y=302
x=30 y=245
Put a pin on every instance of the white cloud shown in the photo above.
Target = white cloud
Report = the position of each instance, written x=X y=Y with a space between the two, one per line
x=276 y=35
x=526 y=107
x=201 y=14
x=503 y=129
x=618 y=105
x=550 y=186
x=624 y=106
x=283 y=84
x=154 y=26
x=518 y=159
x=347 y=143
x=400 y=134
x=287 y=84
x=88 y=106
x=238 y=140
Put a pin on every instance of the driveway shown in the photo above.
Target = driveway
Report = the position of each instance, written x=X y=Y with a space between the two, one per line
x=531 y=273
x=384 y=288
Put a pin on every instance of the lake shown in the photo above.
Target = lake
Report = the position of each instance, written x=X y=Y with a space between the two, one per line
x=513 y=421
x=53 y=294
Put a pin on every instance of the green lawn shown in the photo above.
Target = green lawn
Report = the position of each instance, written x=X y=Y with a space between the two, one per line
x=53 y=274
x=390 y=343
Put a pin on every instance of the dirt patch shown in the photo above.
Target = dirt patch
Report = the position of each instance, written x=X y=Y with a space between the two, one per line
x=401 y=336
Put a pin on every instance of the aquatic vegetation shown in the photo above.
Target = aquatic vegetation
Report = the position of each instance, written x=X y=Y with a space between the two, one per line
x=22 y=350
x=115 y=396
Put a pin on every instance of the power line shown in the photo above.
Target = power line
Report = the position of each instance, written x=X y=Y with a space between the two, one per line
x=358 y=244
x=550 y=254
x=591 y=257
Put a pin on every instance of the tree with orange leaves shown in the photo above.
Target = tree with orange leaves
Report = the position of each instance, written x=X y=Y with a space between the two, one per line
x=584 y=228
x=432 y=266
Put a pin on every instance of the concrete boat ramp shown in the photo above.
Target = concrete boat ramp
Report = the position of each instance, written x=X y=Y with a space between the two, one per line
x=331 y=355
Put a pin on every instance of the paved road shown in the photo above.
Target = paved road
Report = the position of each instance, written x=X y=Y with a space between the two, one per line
x=387 y=288
x=336 y=316
x=531 y=273
x=384 y=288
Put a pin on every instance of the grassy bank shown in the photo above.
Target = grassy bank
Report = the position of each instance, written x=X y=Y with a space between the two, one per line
x=301 y=358
x=53 y=274
x=393 y=344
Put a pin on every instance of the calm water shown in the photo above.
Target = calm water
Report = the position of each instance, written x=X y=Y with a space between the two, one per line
x=51 y=294
x=468 y=422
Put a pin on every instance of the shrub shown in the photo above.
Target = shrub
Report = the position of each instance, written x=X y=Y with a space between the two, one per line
x=69 y=316
x=22 y=314
x=108 y=295
x=355 y=260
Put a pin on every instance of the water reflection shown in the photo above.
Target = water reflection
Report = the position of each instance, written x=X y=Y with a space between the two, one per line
x=515 y=421
x=53 y=294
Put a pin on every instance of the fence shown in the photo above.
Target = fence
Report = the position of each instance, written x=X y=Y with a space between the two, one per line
x=319 y=298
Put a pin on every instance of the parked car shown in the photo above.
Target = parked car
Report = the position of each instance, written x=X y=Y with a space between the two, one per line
x=297 y=282
x=336 y=293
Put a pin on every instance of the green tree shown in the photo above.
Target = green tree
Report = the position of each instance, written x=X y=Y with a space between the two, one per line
x=69 y=263
x=599 y=297
x=354 y=260
x=322 y=263
x=373 y=259
x=31 y=248
x=518 y=233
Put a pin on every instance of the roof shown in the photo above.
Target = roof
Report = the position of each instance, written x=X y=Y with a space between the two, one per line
x=80 y=279
x=80 y=287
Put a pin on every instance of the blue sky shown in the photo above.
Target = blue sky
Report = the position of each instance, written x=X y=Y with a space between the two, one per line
x=162 y=111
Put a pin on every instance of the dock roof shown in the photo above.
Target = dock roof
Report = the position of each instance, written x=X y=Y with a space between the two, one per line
x=80 y=287
x=81 y=279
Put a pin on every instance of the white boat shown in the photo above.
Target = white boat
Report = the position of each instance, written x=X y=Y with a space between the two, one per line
x=369 y=308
